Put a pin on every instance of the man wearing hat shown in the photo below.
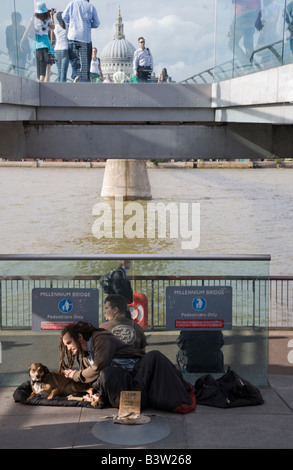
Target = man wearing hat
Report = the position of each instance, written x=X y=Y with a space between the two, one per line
x=81 y=17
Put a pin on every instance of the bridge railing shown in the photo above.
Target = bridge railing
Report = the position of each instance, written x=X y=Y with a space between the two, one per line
x=262 y=58
x=249 y=297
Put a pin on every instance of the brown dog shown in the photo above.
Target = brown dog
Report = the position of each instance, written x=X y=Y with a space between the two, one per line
x=53 y=383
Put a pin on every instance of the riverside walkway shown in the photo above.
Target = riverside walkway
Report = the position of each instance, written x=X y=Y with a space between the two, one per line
x=267 y=426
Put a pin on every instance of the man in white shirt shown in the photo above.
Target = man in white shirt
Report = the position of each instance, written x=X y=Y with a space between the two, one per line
x=142 y=62
x=81 y=17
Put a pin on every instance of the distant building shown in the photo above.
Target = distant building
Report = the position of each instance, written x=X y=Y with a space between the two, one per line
x=117 y=55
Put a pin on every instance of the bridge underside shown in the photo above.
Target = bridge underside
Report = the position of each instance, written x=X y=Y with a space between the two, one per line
x=145 y=141
x=247 y=117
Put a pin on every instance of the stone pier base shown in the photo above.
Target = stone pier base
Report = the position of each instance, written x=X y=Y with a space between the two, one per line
x=126 y=178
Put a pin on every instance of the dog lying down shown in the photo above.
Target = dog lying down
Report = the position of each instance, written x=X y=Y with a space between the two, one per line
x=52 y=384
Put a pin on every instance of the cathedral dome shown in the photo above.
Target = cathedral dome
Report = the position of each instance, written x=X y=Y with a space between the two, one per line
x=117 y=55
x=118 y=49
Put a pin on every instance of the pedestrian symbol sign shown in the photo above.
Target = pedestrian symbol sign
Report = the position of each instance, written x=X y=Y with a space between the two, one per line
x=199 y=303
x=194 y=308
x=55 y=308
x=65 y=305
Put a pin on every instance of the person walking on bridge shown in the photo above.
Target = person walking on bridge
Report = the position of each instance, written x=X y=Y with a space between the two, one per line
x=142 y=62
x=81 y=17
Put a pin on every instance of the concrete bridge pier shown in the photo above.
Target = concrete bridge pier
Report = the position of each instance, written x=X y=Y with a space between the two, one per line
x=127 y=178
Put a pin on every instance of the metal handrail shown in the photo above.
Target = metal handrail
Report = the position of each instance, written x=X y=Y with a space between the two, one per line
x=152 y=285
x=211 y=72
x=251 y=295
x=90 y=257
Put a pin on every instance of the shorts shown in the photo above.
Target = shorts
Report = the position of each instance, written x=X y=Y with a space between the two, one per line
x=43 y=59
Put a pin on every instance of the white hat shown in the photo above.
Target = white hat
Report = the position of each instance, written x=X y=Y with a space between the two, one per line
x=41 y=7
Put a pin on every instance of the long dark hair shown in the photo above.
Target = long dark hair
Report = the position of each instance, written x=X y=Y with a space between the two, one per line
x=60 y=20
x=74 y=329
x=43 y=16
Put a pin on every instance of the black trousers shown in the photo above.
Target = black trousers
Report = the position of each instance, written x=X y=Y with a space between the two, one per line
x=143 y=73
x=161 y=384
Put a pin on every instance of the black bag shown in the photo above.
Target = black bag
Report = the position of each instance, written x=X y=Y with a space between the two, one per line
x=228 y=391
x=144 y=72
x=106 y=282
x=200 y=351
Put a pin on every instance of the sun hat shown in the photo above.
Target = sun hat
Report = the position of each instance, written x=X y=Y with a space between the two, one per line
x=41 y=7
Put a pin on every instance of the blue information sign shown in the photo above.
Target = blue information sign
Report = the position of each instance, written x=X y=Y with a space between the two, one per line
x=198 y=308
x=52 y=309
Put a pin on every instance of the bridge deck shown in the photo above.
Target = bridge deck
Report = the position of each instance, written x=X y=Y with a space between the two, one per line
x=246 y=117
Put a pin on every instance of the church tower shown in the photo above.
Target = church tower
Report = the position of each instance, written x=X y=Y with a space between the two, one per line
x=119 y=33
x=117 y=55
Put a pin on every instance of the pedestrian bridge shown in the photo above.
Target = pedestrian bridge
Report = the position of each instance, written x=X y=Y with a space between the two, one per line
x=246 y=117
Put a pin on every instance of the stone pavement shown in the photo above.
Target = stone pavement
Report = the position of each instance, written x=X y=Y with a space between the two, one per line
x=268 y=426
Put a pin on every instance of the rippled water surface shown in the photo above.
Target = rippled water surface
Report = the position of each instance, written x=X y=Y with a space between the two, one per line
x=49 y=210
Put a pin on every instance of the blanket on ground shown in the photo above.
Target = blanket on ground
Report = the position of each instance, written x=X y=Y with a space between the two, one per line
x=22 y=393
x=161 y=384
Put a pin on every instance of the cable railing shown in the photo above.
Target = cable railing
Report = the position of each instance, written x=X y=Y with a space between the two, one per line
x=252 y=296
x=262 y=58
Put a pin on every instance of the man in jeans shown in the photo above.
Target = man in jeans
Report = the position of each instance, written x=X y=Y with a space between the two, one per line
x=81 y=17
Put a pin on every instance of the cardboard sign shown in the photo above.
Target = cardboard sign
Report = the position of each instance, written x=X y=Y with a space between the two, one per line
x=129 y=403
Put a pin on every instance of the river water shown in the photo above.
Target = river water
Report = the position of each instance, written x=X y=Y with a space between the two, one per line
x=49 y=211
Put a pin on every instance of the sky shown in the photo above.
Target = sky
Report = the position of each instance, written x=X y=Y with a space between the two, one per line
x=180 y=34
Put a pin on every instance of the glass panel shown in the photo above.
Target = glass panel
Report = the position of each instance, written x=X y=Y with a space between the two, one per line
x=288 y=33
x=231 y=329
x=251 y=36
x=18 y=56
x=179 y=36
x=224 y=43
x=243 y=31
x=7 y=37
x=268 y=44
x=196 y=42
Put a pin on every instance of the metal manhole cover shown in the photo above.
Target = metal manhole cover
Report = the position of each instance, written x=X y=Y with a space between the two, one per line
x=121 y=434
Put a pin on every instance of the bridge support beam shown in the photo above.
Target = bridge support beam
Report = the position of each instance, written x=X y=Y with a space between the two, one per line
x=246 y=117
x=126 y=178
x=142 y=142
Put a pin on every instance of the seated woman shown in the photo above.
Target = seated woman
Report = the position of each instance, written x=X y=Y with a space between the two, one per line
x=160 y=383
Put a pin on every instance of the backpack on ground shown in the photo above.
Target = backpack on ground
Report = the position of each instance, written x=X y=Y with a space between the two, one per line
x=228 y=391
